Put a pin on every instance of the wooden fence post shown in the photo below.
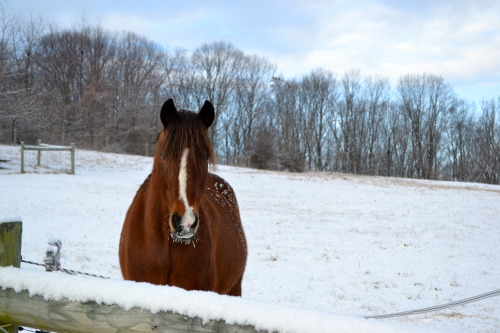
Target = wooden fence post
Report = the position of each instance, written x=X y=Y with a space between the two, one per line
x=72 y=158
x=22 y=157
x=39 y=154
x=10 y=252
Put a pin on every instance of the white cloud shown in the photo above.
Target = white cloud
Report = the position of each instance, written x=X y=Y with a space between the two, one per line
x=461 y=43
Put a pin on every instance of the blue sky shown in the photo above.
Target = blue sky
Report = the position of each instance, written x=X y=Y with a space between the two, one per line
x=458 y=40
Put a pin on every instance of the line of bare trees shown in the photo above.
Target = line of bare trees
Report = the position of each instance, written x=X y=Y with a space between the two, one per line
x=103 y=90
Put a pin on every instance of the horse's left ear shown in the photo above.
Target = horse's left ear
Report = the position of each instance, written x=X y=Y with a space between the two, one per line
x=207 y=114
x=168 y=112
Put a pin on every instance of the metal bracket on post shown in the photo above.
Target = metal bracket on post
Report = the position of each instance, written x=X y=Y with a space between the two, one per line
x=52 y=259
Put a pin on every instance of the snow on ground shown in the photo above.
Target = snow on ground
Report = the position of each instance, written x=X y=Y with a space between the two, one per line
x=349 y=245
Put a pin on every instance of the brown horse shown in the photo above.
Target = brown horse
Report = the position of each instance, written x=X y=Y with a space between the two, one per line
x=183 y=227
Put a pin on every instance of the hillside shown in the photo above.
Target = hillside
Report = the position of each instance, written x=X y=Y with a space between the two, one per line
x=350 y=245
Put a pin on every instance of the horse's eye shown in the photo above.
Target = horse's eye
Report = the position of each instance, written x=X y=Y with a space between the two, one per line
x=162 y=155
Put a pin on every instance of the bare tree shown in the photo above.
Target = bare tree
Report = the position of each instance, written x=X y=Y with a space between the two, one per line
x=182 y=82
x=426 y=102
x=285 y=116
x=251 y=97
x=458 y=145
x=99 y=51
x=139 y=74
x=318 y=98
x=59 y=61
x=395 y=143
x=217 y=68
x=18 y=102
x=377 y=92
x=487 y=143
x=350 y=132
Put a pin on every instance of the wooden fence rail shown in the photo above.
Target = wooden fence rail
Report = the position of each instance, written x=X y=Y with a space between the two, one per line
x=65 y=316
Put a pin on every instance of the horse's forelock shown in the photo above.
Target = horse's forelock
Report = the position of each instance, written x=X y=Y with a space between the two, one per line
x=187 y=131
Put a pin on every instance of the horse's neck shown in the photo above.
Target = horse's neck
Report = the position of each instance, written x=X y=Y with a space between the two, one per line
x=157 y=192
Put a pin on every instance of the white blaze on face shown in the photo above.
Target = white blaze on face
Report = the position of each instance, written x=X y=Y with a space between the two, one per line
x=188 y=219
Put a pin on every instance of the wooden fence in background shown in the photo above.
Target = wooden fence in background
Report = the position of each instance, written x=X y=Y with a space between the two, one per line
x=44 y=147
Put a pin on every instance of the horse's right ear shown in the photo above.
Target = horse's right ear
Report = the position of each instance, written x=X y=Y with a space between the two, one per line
x=168 y=112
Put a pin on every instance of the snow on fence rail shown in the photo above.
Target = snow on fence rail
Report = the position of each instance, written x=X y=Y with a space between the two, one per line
x=44 y=147
x=30 y=308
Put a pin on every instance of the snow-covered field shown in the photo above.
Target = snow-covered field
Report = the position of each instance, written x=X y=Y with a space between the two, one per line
x=348 y=245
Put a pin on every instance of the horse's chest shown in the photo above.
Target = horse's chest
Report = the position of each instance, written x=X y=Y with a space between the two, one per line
x=189 y=266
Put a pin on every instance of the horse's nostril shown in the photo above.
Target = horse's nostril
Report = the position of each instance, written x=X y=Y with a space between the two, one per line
x=176 y=222
x=195 y=222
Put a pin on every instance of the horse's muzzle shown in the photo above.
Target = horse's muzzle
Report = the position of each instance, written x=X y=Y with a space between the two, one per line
x=182 y=232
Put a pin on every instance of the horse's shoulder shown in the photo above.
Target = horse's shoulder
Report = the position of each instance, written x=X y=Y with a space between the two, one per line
x=219 y=187
x=218 y=182
x=216 y=178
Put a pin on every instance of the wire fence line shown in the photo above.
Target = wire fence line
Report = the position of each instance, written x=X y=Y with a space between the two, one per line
x=438 y=307
x=68 y=271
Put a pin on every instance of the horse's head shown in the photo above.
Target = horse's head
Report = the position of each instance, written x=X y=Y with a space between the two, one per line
x=183 y=154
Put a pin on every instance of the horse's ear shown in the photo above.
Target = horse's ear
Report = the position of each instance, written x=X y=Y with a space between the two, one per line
x=168 y=112
x=207 y=114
